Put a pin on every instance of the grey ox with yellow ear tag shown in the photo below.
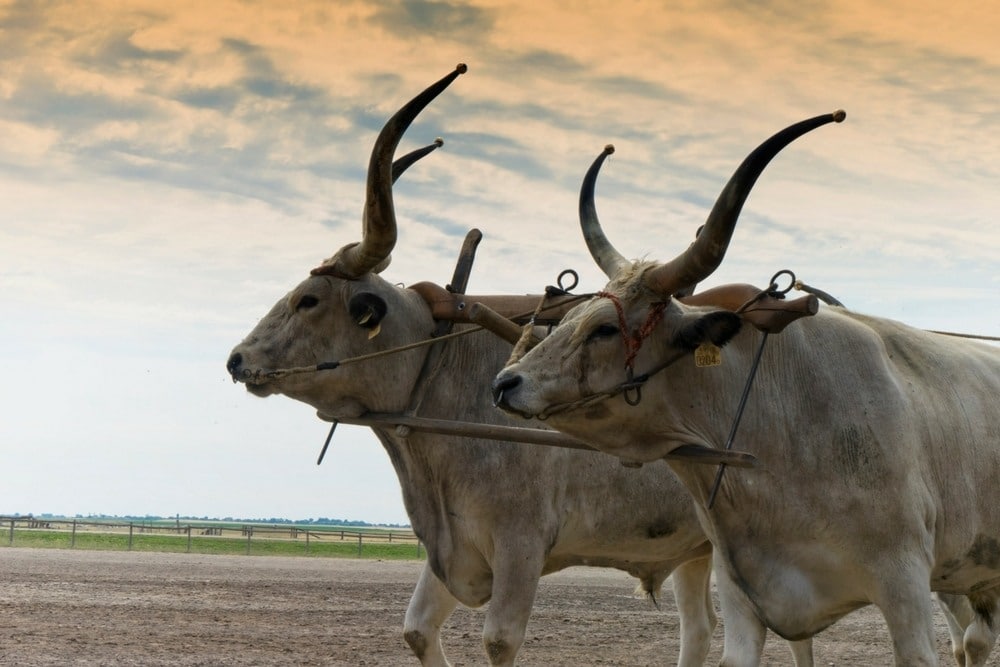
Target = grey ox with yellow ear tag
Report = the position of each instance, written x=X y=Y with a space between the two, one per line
x=707 y=354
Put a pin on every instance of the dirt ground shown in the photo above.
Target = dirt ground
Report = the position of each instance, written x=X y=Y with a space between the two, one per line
x=68 y=607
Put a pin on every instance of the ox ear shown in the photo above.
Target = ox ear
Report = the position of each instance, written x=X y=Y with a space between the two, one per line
x=717 y=328
x=367 y=310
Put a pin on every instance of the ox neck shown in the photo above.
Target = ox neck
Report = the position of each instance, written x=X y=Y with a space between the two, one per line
x=422 y=459
x=429 y=371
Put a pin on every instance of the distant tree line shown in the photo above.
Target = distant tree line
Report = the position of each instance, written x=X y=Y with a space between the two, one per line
x=322 y=521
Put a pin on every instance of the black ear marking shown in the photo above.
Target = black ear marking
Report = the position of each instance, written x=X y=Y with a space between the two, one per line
x=367 y=309
x=717 y=328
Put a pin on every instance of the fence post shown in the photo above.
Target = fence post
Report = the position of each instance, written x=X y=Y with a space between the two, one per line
x=418 y=548
x=72 y=536
x=307 y=541
x=189 y=538
x=359 y=545
x=130 y=527
x=249 y=530
x=10 y=539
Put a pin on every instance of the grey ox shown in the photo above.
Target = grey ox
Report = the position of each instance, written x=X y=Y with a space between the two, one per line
x=493 y=516
x=878 y=448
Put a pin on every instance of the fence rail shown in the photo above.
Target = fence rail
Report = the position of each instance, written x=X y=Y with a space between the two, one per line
x=208 y=537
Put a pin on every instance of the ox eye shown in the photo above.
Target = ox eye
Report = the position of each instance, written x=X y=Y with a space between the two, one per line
x=307 y=301
x=603 y=331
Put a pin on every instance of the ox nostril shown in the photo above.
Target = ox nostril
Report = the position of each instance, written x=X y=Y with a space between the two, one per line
x=504 y=382
x=234 y=363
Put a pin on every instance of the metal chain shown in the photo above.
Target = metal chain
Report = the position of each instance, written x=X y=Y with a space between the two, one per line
x=736 y=421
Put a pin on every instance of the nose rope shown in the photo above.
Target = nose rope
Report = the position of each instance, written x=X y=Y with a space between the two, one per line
x=631 y=384
x=634 y=341
x=260 y=375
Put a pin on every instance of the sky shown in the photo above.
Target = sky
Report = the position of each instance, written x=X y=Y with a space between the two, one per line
x=170 y=170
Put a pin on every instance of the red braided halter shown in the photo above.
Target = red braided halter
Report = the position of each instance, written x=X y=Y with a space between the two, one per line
x=634 y=340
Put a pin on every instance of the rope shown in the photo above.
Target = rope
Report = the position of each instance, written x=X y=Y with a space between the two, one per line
x=276 y=374
x=634 y=341
x=831 y=301
x=521 y=347
x=632 y=344
x=330 y=365
x=596 y=397
x=961 y=335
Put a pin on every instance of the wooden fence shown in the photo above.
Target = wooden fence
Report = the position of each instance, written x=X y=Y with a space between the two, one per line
x=196 y=532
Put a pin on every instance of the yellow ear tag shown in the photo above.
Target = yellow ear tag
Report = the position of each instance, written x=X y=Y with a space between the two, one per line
x=707 y=354
x=374 y=332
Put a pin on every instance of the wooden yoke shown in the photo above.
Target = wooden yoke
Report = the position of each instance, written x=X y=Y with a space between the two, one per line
x=490 y=319
x=767 y=313
x=453 y=307
x=501 y=313
x=497 y=312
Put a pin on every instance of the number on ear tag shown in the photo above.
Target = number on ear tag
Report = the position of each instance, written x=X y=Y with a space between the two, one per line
x=707 y=354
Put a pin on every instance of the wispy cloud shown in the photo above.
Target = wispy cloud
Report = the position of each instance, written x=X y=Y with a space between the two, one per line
x=117 y=53
x=412 y=18
x=42 y=101
x=172 y=168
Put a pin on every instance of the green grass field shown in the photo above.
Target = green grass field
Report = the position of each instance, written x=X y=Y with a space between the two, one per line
x=328 y=546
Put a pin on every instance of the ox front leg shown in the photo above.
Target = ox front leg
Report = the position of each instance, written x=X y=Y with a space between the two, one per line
x=802 y=652
x=515 y=582
x=744 y=633
x=904 y=598
x=429 y=608
x=693 y=595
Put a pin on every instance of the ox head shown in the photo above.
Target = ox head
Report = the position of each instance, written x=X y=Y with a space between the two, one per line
x=576 y=377
x=344 y=309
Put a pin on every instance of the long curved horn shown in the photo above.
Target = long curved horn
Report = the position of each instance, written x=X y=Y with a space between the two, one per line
x=398 y=167
x=403 y=163
x=379 y=219
x=706 y=253
x=609 y=259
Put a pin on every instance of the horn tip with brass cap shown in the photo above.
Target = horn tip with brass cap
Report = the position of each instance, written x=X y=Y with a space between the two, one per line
x=439 y=142
x=461 y=68
x=839 y=115
x=609 y=149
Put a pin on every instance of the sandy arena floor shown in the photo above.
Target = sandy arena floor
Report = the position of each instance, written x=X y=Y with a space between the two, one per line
x=63 y=607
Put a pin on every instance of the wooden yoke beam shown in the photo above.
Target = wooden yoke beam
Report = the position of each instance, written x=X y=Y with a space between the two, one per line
x=446 y=305
x=767 y=313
